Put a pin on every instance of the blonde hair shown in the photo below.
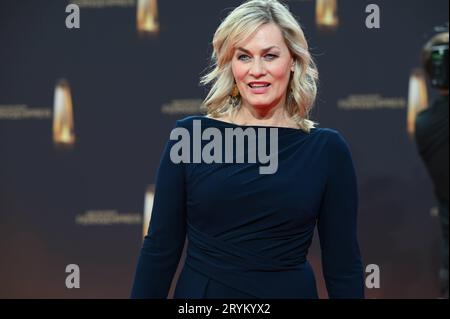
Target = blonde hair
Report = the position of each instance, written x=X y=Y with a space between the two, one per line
x=242 y=22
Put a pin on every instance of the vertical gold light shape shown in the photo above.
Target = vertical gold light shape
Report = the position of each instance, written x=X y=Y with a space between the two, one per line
x=63 y=126
x=147 y=17
x=148 y=206
x=417 y=98
x=326 y=15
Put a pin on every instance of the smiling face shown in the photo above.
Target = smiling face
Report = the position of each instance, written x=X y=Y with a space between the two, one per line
x=263 y=59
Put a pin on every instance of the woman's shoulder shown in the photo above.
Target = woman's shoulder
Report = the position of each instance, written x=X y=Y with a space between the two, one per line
x=328 y=132
x=187 y=121
x=335 y=141
x=332 y=136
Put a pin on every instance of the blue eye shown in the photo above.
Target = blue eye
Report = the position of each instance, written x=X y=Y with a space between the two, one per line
x=272 y=56
x=240 y=57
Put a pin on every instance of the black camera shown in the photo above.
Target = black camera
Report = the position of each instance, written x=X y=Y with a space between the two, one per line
x=435 y=57
x=438 y=66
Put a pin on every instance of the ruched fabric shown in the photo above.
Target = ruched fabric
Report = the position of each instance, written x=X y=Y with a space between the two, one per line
x=249 y=233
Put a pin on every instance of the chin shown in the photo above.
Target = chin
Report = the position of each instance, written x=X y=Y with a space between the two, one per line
x=261 y=99
x=260 y=105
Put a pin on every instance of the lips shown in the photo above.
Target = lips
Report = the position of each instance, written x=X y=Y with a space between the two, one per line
x=258 y=84
x=259 y=87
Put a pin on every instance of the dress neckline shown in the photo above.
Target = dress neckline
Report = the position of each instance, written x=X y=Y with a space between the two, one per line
x=243 y=126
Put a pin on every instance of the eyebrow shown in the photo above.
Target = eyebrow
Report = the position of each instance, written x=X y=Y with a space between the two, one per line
x=263 y=50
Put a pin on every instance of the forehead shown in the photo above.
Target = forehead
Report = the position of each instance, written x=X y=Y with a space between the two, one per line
x=265 y=36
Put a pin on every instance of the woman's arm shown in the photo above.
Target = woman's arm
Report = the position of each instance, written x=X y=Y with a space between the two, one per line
x=337 y=224
x=164 y=242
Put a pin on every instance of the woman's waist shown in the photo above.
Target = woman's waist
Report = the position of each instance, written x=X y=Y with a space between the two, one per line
x=297 y=282
x=261 y=255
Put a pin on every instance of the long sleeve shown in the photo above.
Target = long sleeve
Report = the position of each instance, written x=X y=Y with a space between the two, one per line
x=164 y=242
x=337 y=224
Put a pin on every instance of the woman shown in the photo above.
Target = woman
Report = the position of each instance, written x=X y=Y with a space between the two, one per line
x=249 y=233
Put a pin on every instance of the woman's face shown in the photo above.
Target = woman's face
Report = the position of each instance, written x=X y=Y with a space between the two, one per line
x=266 y=59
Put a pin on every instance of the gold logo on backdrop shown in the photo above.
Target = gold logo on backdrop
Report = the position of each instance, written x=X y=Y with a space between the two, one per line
x=148 y=206
x=63 y=127
x=182 y=106
x=100 y=4
x=147 y=17
x=417 y=98
x=370 y=102
x=107 y=218
x=23 y=111
x=326 y=15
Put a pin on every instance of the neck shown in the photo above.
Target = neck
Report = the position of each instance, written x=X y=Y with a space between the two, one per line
x=271 y=116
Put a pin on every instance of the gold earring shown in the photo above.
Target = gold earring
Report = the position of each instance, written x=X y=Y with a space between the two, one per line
x=234 y=100
x=235 y=91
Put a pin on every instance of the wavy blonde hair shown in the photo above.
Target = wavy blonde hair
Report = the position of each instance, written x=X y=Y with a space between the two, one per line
x=238 y=26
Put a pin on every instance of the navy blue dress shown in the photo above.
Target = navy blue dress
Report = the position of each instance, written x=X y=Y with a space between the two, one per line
x=248 y=233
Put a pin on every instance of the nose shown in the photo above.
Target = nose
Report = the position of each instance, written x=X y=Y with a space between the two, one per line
x=257 y=68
